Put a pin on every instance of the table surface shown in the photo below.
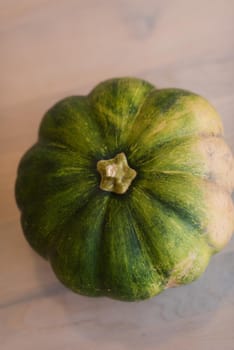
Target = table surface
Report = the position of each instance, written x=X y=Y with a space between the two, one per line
x=51 y=49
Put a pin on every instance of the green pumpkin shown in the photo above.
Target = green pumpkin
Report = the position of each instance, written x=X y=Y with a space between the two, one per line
x=128 y=190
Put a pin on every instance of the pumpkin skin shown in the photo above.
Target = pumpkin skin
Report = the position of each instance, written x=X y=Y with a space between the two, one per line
x=176 y=213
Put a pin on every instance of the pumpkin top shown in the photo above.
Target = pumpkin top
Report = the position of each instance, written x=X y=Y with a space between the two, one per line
x=116 y=175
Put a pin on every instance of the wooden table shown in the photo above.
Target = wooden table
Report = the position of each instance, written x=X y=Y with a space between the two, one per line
x=51 y=49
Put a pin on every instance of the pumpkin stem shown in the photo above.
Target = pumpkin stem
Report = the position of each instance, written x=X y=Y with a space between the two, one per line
x=116 y=175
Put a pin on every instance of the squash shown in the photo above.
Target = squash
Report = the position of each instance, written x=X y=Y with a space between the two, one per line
x=128 y=190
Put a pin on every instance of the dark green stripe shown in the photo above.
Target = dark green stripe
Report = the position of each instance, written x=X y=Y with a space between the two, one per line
x=180 y=154
x=128 y=273
x=46 y=169
x=52 y=184
x=182 y=193
x=75 y=257
x=116 y=103
x=160 y=122
x=170 y=238
x=71 y=123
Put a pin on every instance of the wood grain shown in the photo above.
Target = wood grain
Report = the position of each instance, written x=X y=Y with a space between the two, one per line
x=51 y=49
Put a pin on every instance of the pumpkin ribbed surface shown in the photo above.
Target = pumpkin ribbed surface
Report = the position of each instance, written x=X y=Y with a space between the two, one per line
x=176 y=213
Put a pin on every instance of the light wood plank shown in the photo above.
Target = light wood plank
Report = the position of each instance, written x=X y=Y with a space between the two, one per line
x=51 y=49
